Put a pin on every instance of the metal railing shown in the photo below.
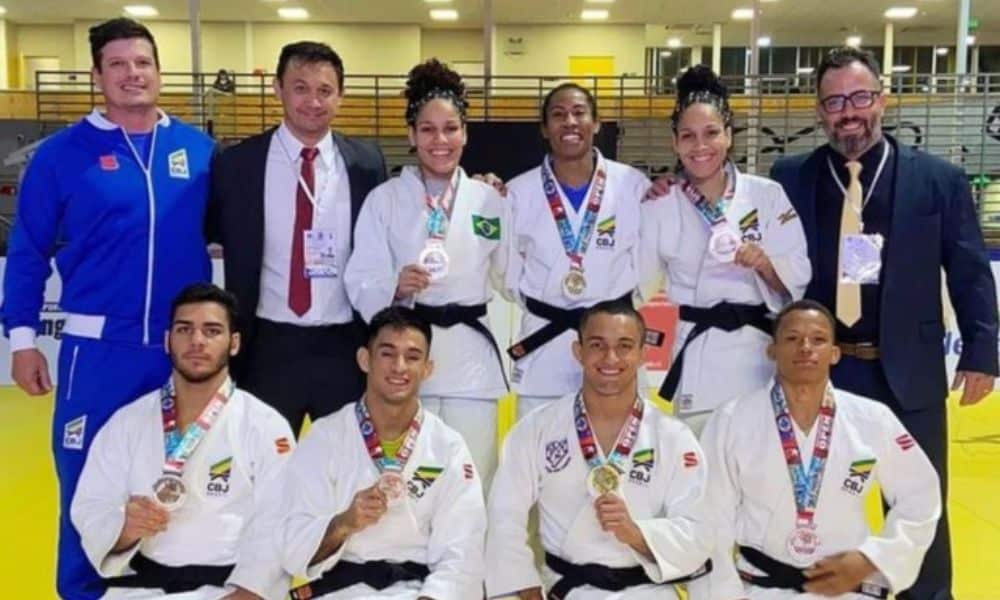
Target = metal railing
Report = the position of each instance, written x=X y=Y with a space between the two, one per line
x=956 y=117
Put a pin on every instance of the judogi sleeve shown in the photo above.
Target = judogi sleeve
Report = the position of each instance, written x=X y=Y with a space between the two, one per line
x=722 y=501
x=510 y=561
x=40 y=206
x=784 y=243
x=98 y=507
x=679 y=539
x=309 y=504
x=910 y=487
x=370 y=277
x=458 y=531
x=501 y=257
x=258 y=569
x=659 y=235
x=515 y=261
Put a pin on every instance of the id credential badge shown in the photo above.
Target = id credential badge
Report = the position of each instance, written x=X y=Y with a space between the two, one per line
x=320 y=253
x=861 y=258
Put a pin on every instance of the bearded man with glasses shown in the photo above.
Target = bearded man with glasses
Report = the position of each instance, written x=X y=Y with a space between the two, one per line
x=881 y=221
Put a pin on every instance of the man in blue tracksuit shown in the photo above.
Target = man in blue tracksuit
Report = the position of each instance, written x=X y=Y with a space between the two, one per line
x=119 y=200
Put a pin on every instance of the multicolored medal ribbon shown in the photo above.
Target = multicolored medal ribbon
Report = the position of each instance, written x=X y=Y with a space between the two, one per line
x=574 y=283
x=605 y=475
x=434 y=258
x=803 y=543
x=725 y=239
x=169 y=490
x=390 y=480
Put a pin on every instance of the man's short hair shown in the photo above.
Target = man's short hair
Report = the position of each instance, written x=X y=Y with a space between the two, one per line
x=613 y=307
x=398 y=318
x=800 y=305
x=569 y=85
x=197 y=293
x=838 y=58
x=311 y=52
x=118 y=29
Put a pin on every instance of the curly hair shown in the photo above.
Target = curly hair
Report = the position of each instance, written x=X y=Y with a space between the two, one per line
x=433 y=79
x=700 y=85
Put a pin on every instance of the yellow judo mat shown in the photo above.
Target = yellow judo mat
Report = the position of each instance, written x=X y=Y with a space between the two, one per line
x=29 y=504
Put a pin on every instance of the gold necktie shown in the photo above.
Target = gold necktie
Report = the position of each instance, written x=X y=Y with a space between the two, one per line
x=849 y=294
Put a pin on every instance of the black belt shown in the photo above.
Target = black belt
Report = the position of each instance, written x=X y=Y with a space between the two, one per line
x=172 y=580
x=726 y=316
x=450 y=315
x=376 y=574
x=605 y=578
x=559 y=320
x=785 y=576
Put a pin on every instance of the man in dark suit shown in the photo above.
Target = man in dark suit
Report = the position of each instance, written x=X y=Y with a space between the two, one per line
x=283 y=206
x=912 y=215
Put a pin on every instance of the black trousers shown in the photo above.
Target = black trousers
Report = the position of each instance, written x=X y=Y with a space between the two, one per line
x=929 y=427
x=305 y=370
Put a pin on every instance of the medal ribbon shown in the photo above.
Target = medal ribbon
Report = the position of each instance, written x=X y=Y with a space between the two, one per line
x=439 y=208
x=575 y=245
x=715 y=215
x=374 y=445
x=623 y=445
x=178 y=449
x=805 y=484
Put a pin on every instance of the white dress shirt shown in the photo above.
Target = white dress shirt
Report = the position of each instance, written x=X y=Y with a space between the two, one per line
x=331 y=212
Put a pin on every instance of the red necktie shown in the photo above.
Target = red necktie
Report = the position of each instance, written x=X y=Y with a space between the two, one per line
x=299 y=288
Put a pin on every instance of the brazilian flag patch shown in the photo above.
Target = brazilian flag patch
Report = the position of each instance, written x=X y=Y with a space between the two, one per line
x=486 y=227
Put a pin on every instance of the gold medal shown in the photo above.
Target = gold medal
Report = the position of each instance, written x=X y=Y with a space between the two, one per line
x=170 y=491
x=602 y=480
x=574 y=284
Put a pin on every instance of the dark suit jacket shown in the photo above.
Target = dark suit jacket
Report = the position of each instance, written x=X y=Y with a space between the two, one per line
x=934 y=225
x=236 y=213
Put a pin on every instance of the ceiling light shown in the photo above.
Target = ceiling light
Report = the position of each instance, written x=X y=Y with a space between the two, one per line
x=942 y=51
x=805 y=70
x=900 y=68
x=293 y=12
x=763 y=42
x=970 y=40
x=593 y=14
x=901 y=12
x=666 y=53
x=444 y=14
x=742 y=14
x=854 y=41
x=674 y=42
x=3 y=10
x=141 y=10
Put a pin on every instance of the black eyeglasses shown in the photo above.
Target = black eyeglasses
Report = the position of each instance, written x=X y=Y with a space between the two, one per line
x=858 y=99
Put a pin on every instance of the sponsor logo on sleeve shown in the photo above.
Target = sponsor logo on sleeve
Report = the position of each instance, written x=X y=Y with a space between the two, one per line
x=787 y=216
x=282 y=445
x=108 y=162
x=905 y=442
x=690 y=460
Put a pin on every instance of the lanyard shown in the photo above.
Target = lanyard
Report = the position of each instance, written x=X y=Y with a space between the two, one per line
x=293 y=162
x=440 y=208
x=574 y=245
x=714 y=215
x=623 y=445
x=805 y=484
x=374 y=445
x=871 y=188
x=178 y=449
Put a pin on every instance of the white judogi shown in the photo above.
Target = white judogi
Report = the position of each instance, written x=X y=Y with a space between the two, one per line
x=441 y=524
x=232 y=482
x=542 y=464
x=750 y=493
x=391 y=232
x=720 y=365
x=539 y=264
